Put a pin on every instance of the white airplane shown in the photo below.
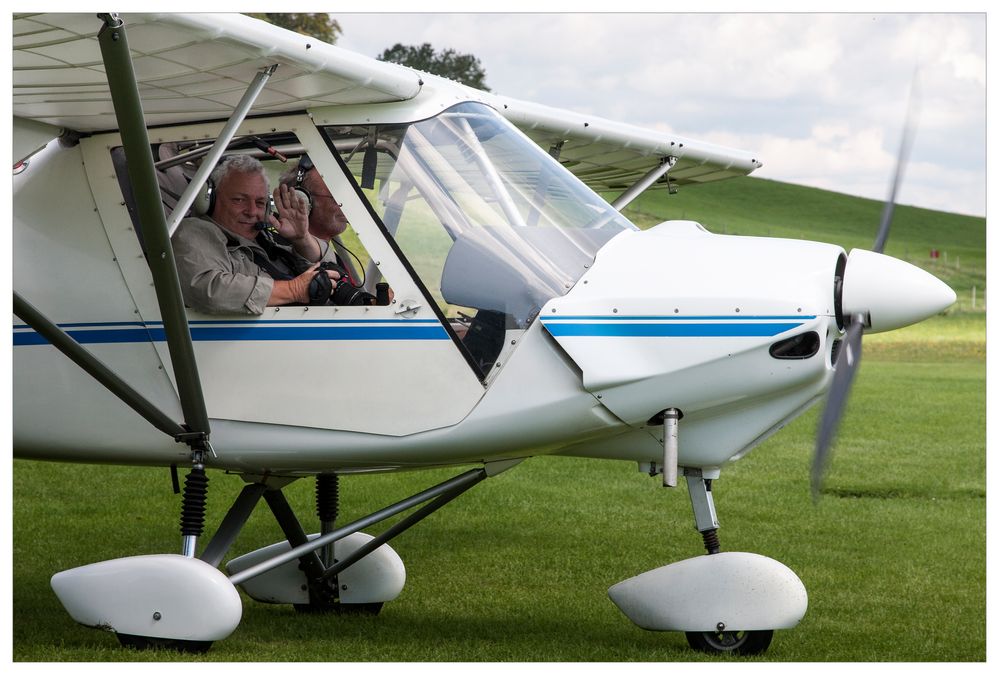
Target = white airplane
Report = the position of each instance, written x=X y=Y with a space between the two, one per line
x=527 y=316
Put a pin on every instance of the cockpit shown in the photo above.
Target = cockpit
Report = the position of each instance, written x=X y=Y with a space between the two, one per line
x=488 y=225
x=487 y=219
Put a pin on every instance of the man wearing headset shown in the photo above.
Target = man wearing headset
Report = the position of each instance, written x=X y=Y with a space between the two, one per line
x=326 y=219
x=228 y=261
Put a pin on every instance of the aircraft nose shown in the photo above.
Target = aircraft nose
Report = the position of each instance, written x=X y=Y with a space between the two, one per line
x=892 y=292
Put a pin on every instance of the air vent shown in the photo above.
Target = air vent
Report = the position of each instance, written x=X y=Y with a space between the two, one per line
x=802 y=346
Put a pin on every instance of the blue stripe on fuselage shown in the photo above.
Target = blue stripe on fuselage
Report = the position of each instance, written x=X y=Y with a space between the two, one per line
x=241 y=331
x=671 y=326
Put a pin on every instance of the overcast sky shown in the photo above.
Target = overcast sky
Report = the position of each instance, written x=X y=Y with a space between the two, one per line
x=820 y=98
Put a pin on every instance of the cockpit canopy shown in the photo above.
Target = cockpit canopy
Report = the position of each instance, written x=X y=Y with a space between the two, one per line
x=488 y=220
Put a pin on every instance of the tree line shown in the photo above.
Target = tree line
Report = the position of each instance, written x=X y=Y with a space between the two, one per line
x=464 y=68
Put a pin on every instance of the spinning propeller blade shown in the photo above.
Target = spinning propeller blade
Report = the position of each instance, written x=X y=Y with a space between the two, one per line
x=849 y=357
x=903 y=158
x=846 y=368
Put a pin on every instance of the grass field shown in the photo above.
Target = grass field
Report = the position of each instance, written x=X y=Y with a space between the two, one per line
x=893 y=555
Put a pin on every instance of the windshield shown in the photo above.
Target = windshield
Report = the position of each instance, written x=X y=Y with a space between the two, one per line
x=487 y=219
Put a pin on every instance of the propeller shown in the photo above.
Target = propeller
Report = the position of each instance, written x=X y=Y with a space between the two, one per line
x=846 y=368
x=876 y=278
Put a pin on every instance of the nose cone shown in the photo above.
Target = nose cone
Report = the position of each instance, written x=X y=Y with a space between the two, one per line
x=892 y=292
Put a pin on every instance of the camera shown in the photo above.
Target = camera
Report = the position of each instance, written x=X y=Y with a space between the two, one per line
x=325 y=291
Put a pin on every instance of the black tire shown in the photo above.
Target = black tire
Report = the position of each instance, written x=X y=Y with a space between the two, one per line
x=742 y=642
x=367 y=608
x=143 y=642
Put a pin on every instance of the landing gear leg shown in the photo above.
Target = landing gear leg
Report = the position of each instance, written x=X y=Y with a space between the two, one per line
x=315 y=588
x=706 y=518
x=192 y=511
x=322 y=593
x=703 y=503
x=366 y=570
x=327 y=508
x=324 y=589
x=192 y=525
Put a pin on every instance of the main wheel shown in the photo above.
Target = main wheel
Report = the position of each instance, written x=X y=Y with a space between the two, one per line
x=143 y=642
x=369 y=608
x=744 y=642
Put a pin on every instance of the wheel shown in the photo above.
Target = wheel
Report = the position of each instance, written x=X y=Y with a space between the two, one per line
x=743 y=642
x=367 y=608
x=143 y=642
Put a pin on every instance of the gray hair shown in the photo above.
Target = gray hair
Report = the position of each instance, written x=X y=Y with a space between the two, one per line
x=239 y=164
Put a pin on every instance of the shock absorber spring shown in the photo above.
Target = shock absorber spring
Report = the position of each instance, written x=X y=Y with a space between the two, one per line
x=192 y=511
x=327 y=508
x=327 y=497
x=711 y=541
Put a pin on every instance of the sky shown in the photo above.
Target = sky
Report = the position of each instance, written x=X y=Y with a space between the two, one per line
x=821 y=99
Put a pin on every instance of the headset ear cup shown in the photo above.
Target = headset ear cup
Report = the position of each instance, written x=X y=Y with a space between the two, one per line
x=204 y=203
x=307 y=195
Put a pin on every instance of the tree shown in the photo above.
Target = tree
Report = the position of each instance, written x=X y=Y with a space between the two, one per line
x=320 y=26
x=464 y=68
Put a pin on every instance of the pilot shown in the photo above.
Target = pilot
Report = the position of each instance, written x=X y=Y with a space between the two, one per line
x=232 y=260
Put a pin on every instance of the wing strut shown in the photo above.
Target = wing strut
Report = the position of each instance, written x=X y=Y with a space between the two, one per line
x=219 y=147
x=644 y=183
x=139 y=156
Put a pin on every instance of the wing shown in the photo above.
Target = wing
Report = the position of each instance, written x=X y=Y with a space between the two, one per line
x=193 y=67
x=189 y=67
x=608 y=155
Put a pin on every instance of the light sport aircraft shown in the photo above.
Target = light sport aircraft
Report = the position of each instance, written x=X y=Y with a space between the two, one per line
x=529 y=317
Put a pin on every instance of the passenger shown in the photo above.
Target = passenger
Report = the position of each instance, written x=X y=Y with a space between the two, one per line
x=326 y=218
x=229 y=262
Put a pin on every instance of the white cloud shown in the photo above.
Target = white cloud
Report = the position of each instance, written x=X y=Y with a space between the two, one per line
x=821 y=98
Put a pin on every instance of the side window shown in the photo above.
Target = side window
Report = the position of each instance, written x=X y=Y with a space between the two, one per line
x=407 y=217
x=422 y=222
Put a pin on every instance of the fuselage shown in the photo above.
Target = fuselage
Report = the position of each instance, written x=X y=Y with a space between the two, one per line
x=593 y=326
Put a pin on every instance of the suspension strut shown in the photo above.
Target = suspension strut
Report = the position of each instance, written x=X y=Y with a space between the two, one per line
x=192 y=510
x=703 y=503
x=327 y=508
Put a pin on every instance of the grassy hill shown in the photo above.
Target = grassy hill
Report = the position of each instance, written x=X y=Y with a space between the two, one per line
x=758 y=207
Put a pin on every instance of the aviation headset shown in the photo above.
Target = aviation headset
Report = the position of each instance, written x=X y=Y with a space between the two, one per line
x=305 y=165
x=204 y=203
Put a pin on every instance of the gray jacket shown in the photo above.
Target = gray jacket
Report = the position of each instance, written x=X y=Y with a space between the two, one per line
x=217 y=271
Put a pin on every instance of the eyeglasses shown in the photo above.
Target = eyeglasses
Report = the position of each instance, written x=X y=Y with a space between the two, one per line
x=327 y=197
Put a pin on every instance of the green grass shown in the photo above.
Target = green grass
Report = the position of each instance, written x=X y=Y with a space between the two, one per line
x=893 y=555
